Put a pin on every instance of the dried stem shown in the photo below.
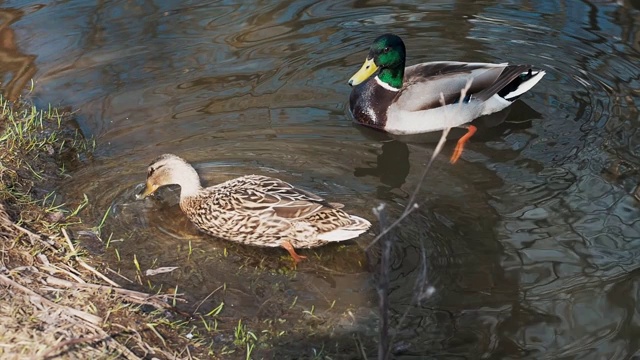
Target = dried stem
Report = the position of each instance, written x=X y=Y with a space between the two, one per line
x=35 y=297
x=421 y=287
x=83 y=340
x=131 y=295
x=207 y=297
x=33 y=237
x=84 y=264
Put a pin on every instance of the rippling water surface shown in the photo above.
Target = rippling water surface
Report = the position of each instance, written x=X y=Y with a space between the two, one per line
x=532 y=238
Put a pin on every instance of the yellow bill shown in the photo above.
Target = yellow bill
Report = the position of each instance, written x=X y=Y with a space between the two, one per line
x=368 y=68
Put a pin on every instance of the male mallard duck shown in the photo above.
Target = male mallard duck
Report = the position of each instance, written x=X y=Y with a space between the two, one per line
x=408 y=100
x=254 y=209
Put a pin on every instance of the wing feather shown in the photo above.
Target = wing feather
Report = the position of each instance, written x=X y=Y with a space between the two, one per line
x=425 y=82
x=275 y=197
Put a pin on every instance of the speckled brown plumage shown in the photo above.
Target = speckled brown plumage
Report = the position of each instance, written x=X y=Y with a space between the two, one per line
x=255 y=209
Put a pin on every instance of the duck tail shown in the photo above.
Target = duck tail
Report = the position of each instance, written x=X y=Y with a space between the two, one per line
x=521 y=84
x=357 y=226
x=358 y=223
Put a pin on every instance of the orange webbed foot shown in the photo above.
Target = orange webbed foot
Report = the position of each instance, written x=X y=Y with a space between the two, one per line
x=460 y=145
x=296 y=258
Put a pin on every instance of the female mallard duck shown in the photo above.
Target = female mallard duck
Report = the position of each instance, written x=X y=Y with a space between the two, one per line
x=410 y=100
x=254 y=209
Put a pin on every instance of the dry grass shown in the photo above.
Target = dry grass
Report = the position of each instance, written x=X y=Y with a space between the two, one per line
x=53 y=303
x=37 y=320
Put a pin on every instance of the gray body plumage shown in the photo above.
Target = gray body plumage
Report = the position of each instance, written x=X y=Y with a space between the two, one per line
x=431 y=95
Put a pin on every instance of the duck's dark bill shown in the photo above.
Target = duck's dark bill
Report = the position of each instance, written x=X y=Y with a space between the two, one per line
x=148 y=190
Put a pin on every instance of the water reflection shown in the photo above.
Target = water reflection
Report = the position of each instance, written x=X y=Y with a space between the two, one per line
x=532 y=239
x=17 y=68
x=391 y=165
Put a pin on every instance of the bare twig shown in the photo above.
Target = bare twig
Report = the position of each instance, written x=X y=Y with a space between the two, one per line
x=359 y=346
x=412 y=205
x=33 y=237
x=131 y=295
x=441 y=142
x=384 y=231
x=422 y=289
x=205 y=299
x=69 y=272
x=83 y=340
x=135 y=335
x=120 y=275
x=383 y=286
x=153 y=330
x=92 y=319
x=84 y=264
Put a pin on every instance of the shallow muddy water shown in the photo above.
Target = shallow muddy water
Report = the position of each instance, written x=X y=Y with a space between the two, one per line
x=532 y=238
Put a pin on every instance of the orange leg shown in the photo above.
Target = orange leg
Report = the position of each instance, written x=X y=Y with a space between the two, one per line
x=296 y=258
x=460 y=145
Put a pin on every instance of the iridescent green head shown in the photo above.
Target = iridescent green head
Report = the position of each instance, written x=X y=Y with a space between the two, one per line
x=387 y=53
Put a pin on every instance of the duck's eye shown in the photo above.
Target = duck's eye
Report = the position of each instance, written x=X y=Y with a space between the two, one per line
x=153 y=170
x=385 y=50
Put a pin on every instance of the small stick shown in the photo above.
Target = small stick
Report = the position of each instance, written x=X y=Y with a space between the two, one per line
x=52 y=268
x=71 y=342
x=384 y=345
x=108 y=339
x=406 y=212
x=412 y=205
x=33 y=236
x=84 y=264
x=35 y=296
x=122 y=276
x=135 y=336
x=205 y=299
x=153 y=329
x=135 y=296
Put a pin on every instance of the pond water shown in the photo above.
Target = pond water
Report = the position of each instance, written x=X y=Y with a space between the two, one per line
x=532 y=238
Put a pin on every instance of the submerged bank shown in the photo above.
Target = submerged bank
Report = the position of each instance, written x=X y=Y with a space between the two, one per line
x=59 y=300
x=54 y=302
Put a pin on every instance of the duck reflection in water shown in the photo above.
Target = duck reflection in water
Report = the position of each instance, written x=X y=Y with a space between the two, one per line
x=392 y=165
